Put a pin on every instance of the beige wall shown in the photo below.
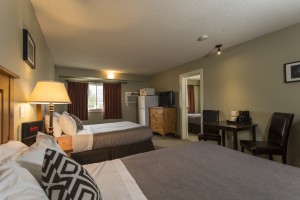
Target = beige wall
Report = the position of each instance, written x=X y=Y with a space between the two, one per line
x=131 y=83
x=14 y=16
x=249 y=77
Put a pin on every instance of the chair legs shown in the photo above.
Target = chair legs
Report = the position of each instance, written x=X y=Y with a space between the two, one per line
x=270 y=157
x=284 y=161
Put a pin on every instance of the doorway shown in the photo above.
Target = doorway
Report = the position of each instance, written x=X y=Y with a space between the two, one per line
x=183 y=99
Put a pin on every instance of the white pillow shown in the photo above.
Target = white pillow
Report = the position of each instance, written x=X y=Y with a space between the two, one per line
x=67 y=124
x=18 y=183
x=56 y=114
x=11 y=149
x=56 y=127
x=32 y=158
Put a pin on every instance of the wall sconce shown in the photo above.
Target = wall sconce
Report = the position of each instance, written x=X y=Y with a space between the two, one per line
x=110 y=75
x=219 y=48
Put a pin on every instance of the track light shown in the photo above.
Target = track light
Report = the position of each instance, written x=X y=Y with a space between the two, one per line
x=219 y=48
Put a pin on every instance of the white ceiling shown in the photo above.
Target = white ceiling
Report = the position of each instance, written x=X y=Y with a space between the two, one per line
x=149 y=36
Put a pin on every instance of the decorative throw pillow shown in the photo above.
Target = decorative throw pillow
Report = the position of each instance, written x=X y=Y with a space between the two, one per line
x=32 y=158
x=63 y=178
x=79 y=123
x=67 y=124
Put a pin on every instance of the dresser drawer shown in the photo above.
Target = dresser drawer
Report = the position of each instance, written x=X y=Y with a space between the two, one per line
x=156 y=119
x=157 y=127
x=156 y=111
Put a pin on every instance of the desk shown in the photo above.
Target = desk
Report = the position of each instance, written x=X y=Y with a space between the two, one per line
x=225 y=126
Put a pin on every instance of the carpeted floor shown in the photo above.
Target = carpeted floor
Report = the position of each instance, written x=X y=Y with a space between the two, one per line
x=170 y=140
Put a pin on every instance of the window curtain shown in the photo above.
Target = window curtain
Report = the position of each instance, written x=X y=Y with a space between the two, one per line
x=191 y=99
x=78 y=93
x=112 y=103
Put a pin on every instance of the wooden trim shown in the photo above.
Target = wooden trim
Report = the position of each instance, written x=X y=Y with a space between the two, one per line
x=9 y=73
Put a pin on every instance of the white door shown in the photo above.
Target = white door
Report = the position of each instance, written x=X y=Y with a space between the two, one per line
x=183 y=100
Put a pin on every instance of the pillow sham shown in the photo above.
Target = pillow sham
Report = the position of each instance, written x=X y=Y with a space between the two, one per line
x=32 y=158
x=11 y=149
x=67 y=124
x=17 y=183
x=63 y=178
x=78 y=122
x=56 y=127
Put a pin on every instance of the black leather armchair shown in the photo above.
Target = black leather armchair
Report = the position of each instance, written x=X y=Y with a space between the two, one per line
x=277 y=138
x=210 y=134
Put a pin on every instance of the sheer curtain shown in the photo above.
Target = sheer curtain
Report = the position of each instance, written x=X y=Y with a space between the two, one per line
x=78 y=93
x=112 y=103
x=191 y=99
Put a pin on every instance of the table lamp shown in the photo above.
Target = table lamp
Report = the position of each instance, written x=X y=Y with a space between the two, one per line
x=49 y=92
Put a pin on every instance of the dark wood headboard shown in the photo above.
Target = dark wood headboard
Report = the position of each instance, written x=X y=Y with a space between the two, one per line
x=6 y=104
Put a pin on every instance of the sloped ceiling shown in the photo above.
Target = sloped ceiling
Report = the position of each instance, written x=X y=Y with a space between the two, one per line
x=149 y=36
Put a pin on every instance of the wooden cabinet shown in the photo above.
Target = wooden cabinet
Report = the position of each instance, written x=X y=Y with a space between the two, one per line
x=163 y=120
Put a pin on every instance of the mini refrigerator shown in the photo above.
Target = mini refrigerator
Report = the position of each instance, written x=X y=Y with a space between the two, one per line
x=144 y=102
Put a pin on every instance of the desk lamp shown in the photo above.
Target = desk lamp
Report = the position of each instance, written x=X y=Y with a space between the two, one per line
x=49 y=92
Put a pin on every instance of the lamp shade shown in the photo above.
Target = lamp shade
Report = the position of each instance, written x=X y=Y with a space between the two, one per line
x=46 y=92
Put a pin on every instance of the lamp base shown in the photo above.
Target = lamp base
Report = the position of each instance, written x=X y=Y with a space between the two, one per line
x=51 y=110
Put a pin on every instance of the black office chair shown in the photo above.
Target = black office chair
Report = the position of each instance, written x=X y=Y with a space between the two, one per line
x=277 y=138
x=210 y=134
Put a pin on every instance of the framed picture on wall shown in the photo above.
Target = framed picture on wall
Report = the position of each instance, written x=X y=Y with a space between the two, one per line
x=28 y=49
x=292 y=72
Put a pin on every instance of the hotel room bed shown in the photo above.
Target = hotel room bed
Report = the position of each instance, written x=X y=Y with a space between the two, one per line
x=99 y=142
x=197 y=170
x=194 y=122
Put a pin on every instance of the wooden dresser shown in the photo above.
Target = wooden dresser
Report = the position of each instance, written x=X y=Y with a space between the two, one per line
x=163 y=120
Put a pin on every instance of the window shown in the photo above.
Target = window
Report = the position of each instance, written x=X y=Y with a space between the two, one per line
x=95 y=97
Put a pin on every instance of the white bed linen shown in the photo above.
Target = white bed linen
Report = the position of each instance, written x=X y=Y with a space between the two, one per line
x=83 y=140
x=11 y=149
x=114 y=180
x=18 y=183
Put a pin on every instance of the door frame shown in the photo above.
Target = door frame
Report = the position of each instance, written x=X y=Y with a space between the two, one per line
x=183 y=99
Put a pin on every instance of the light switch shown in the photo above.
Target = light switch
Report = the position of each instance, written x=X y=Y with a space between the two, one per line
x=21 y=112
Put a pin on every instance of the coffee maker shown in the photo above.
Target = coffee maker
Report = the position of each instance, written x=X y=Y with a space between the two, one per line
x=244 y=117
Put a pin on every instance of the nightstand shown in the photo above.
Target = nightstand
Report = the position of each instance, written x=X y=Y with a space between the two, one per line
x=65 y=142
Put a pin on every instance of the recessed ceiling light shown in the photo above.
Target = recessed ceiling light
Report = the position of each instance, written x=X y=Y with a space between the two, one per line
x=202 y=38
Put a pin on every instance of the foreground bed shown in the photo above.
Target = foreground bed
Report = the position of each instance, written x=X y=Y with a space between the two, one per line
x=196 y=170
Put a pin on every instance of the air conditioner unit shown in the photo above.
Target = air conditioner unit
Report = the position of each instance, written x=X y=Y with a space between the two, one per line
x=131 y=97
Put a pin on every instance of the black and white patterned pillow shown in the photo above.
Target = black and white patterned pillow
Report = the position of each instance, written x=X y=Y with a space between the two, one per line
x=79 y=123
x=63 y=178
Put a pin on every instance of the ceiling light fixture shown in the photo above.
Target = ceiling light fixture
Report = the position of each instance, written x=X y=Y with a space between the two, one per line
x=219 y=48
x=110 y=75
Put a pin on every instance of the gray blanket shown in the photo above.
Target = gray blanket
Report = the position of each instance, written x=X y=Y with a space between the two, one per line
x=122 y=137
x=201 y=170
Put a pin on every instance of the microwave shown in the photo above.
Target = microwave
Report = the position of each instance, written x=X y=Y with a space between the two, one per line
x=147 y=91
